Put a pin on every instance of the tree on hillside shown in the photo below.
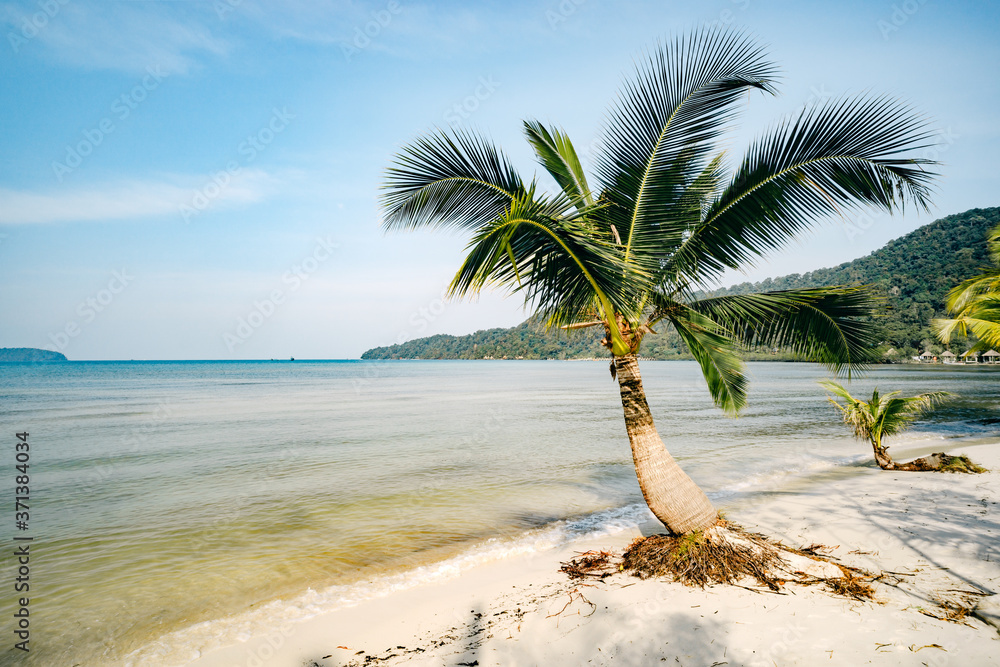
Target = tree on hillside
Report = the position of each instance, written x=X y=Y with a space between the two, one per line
x=664 y=215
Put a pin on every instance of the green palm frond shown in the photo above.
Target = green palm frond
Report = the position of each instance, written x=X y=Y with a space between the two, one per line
x=442 y=179
x=555 y=152
x=980 y=316
x=831 y=159
x=960 y=296
x=713 y=348
x=993 y=245
x=986 y=327
x=975 y=304
x=821 y=324
x=944 y=329
x=663 y=128
x=696 y=197
x=554 y=261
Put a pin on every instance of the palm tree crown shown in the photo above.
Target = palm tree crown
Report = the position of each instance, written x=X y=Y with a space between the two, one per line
x=665 y=214
x=884 y=415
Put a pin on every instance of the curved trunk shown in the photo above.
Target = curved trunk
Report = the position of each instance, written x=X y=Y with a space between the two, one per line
x=935 y=461
x=673 y=497
x=882 y=457
x=924 y=464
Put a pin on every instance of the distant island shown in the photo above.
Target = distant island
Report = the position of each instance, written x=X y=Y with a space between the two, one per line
x=29 y=354
x=913 y=272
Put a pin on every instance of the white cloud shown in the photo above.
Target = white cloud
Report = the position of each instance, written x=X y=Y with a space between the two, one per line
x=177 y=36
x=131 y=200
x=402 y=28
x=113 y=35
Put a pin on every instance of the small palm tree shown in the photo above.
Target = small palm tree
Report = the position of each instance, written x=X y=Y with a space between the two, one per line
x=975 y=304
x=663 y=219
x=883 y=416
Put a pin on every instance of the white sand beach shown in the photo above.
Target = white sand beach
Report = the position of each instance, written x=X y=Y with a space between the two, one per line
x=936 y=538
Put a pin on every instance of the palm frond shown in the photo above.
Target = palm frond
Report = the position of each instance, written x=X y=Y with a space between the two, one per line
x=554 y=262
x=944 y=329
x=839 y=390
x=898 y=413
x=555 y=152
x=448 y=179
x=975 y=304
x=993 y=245
x=702 y=190
x=714 y=351
x=981 y=318
x=986 y=326
x=661 y=131
x=960 y=296
x=832 y=158
x=820 y=324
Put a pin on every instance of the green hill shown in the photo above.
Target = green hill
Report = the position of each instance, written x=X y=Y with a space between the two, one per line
x=29 y=354
x=914 y=272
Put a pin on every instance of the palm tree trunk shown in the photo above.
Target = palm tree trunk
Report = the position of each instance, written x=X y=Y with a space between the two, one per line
x=923 y=464
x=673 y=497
x=882 y=457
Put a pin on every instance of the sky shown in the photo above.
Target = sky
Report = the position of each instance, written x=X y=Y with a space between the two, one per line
x=199 y=179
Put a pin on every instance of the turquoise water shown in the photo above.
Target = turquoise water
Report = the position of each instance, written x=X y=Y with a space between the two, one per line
x=175 y=505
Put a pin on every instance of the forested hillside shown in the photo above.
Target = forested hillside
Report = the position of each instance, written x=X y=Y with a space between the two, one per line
x=914 y=272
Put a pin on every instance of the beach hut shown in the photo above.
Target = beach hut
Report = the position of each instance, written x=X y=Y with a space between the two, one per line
x=949 y=357
x=970 y=357
x=991 y=357
x=927 y=357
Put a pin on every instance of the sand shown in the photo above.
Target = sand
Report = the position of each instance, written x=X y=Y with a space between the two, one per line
x=934 y=536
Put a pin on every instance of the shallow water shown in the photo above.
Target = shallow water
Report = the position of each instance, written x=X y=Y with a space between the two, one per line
x=172 y=500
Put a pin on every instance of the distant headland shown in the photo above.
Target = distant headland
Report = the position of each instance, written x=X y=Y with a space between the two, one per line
x=32 y=354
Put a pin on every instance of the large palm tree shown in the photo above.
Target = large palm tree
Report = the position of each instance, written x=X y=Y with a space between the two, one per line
x=975 y=304
x=882 y=416
x=664 y=218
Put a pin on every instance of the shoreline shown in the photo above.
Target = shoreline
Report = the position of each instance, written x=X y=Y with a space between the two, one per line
x=939 y=533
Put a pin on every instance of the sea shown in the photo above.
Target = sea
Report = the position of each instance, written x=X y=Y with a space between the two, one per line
x=178 y=506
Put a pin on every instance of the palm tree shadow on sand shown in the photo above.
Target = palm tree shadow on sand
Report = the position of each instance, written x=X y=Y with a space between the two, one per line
x=957 y=519
x=686 y=638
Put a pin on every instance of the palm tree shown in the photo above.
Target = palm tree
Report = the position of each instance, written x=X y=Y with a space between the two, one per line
x=975 y=304
x=883 y=416
x=664 y=218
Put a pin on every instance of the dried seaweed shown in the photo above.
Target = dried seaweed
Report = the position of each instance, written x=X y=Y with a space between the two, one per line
x=590 y=564
x=851 y=586
x=961 y=464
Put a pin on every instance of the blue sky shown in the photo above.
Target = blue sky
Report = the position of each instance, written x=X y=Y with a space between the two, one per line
x=198 y=180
